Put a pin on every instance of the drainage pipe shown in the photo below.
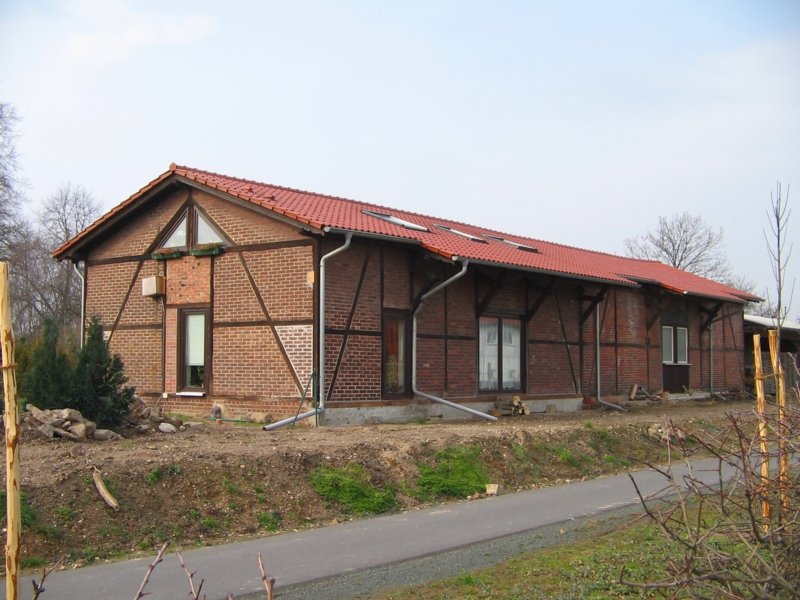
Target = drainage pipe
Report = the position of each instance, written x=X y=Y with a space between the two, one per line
x=289 y=420
x=321 y=371
x=597 y=360
x=414 y=389
x=711 y=359
x=83 y=302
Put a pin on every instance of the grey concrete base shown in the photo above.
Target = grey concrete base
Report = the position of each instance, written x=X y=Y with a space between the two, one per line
x=431 y=411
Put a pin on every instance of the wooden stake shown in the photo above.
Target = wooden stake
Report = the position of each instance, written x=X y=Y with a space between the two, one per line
x=780 y=395
x=14 y=523
x=762 y=428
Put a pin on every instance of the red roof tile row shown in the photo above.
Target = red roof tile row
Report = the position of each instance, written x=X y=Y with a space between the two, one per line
x=323 y=212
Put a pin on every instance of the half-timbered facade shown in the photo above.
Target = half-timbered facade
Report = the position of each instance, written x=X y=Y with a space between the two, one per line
x=217 y=290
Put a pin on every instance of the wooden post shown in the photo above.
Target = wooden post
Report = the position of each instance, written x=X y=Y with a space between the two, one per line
x=780 y=395
x=762 y=430
x=14 y=523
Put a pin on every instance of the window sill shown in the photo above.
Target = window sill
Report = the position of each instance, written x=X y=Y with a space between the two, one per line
x=191 y=394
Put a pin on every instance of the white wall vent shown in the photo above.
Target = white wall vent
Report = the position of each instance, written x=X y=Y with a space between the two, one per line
x=153 y=286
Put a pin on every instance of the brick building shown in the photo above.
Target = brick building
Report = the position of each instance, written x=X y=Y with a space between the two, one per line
x=211 y=288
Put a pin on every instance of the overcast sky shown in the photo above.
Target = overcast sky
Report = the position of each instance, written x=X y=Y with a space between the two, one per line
x=573 y=122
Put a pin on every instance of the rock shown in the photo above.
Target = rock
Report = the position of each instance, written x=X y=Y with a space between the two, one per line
x=492 y=489
x=193 y=425
x=143 y=427
x=258 y=417
x=105 y=435
x=167 y=428
x=48 y=430
x=78 y=430
x=70 y=414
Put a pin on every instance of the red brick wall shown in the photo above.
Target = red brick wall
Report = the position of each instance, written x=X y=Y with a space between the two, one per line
x=259 y=367
x=262 y=301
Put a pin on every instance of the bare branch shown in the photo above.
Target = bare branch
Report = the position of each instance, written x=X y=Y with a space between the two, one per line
x=140 y=593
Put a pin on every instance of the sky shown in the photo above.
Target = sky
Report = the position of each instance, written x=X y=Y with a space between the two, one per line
x=573 y=122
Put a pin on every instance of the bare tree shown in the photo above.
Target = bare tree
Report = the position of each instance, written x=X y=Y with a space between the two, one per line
x=778 y=214
x=10 y=183
x=684 y=241
x=44 y=288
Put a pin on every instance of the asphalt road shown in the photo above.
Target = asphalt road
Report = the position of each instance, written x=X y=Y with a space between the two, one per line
x=359 y=556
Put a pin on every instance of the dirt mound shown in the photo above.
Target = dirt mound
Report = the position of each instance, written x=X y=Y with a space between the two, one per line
x=227 y=481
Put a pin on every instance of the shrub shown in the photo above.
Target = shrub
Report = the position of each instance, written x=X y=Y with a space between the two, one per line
x=46 y=382
x=98 y=384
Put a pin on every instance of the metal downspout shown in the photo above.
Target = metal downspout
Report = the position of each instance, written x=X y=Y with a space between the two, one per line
x=321 y=377
x=711 y=359
x=414 y=389
x=321 y=371
x=597 y=360
x=83 y=302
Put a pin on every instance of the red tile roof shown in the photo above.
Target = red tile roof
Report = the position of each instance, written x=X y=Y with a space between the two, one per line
x=322 y=212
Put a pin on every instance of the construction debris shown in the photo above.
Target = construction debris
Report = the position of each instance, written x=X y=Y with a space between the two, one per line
x=509 y=407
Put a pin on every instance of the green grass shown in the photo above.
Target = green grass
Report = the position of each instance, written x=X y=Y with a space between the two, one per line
x=32 y=562
x=157 y=474
x=352 y=489
x=27 y=513
x=210 y=523
x=458 y=472
x=271 y=521
x=589 y=569
x=231 y=487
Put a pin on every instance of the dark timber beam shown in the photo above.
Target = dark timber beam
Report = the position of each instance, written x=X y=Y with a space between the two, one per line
x=495 y=285
x=711 y=314
x=593 y=301
x=544 y=292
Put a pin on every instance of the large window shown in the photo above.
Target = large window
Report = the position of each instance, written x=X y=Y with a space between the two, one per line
x=499 y=354
x=674 y=345
x=194 y=350
x=395 y=355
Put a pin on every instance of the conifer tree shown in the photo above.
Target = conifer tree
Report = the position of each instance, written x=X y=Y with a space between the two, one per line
x=46 y=383
x=98 y=384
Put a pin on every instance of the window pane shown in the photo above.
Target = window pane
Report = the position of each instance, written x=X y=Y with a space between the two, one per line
x=487 y=353
x=511 y=355
x=394 y=367
x=205 y=233
x=682 y=345
x=178 y=237
x=195 y=351
x=666 y=345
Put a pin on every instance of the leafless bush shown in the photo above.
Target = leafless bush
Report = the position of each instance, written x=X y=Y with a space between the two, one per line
x=737 y=531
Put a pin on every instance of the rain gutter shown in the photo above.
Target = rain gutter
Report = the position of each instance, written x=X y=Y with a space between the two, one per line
x=83 y=301
x=421 y=303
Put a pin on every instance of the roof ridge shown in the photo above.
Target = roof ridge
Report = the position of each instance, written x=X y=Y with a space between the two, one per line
x=412 y=213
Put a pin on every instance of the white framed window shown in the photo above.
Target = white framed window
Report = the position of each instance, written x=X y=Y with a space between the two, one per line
x=674 y=345
x=499 y=354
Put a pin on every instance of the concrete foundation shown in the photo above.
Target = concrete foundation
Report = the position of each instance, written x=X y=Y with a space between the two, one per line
x=423 y=411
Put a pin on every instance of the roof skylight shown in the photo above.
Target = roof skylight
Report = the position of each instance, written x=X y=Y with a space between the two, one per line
x=469 y=236
x=512 y=243
x=394 y=220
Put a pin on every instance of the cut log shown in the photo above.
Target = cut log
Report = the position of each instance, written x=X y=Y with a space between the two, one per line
x=103 y=490
x=634 y=390
x=65 y=434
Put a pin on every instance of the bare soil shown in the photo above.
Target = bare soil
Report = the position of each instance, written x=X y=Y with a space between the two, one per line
x=231 y=481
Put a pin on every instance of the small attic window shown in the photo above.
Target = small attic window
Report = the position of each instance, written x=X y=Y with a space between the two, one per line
x=394 y=220
x=192 y=229
x=469 y=236
x=511 y=243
